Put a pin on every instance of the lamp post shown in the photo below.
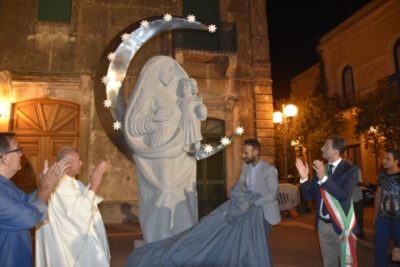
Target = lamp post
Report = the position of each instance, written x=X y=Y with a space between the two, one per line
x=284 y=118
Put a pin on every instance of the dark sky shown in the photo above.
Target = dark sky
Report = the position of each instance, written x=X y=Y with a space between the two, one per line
x=295 y=27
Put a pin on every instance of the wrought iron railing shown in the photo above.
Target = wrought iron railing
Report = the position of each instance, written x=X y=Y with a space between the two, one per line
x=223 y=40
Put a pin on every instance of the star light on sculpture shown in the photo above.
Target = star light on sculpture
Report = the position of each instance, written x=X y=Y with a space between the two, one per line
x=117 y=125
x=104 y=79
x=125 y=37
x=107 y=103
x=111 y=56
x=130 y=44
x=225 y=141
x=113 y=84
x=239 y=130
x=144 y=24
x=167 y=17
x=212 y=28
x=191 y=18
x=208 y=149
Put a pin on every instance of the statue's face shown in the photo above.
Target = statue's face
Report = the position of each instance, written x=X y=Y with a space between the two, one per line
x=187 y=88
x=166 y=75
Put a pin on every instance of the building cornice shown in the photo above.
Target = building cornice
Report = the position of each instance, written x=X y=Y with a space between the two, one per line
x=363 y=20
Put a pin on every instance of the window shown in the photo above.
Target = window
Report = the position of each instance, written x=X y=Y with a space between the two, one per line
x=348 y=84
x=396 y=54
x=211 y=172
x=206 y=11
x=54 y=10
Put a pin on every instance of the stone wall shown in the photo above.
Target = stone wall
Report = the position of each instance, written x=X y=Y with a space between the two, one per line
x=43 y=59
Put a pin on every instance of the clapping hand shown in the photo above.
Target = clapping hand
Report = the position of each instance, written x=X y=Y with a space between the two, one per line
x=319 y=168
x=50 y=177
x=96 y=175
x=302 y=168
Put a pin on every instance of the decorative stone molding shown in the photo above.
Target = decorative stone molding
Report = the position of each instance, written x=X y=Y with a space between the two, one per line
x=47 y=32
x=222 y=108
x=368 y=75
x=5 y=83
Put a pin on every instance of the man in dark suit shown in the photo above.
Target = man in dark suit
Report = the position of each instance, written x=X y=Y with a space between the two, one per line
x=338 y=180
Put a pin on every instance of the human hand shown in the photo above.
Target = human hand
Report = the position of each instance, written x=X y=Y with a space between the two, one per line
x=319 y=168
x=50 y=178
x=45 y=169
x=302 y=168
x=96 y=175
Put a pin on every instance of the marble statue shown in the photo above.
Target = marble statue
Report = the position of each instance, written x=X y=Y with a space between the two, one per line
x=166 y=174
x=193 y=112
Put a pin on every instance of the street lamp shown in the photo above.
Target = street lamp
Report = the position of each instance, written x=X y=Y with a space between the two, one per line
x=289 y=112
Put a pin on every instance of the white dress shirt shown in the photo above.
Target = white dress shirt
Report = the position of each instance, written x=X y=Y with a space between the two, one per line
x=251 y=176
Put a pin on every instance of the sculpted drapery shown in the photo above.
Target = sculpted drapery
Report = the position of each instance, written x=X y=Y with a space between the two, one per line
x=166 y=174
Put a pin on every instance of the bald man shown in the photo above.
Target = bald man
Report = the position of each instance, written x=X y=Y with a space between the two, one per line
x=75 y=233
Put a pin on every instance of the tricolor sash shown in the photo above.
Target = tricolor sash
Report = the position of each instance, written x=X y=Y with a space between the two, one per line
x=346 y=224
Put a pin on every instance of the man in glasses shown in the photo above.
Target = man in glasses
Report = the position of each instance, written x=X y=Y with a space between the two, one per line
x=19 y=211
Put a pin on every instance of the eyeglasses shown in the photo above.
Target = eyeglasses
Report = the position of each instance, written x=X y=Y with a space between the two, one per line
x=18 y=150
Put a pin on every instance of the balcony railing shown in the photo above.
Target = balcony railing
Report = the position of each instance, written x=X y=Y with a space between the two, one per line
x=223 y=40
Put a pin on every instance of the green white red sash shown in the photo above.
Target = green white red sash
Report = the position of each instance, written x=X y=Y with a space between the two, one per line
x=346 y=224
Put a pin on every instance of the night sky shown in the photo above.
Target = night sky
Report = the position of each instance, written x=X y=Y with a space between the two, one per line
x=295 y=27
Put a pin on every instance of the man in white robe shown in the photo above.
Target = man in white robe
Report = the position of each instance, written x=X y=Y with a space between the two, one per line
x=74 y=234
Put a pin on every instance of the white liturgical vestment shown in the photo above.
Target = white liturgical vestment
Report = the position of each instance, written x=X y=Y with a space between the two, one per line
x=74 y=234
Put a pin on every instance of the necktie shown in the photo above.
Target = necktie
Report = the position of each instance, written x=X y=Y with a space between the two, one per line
x=330 y=170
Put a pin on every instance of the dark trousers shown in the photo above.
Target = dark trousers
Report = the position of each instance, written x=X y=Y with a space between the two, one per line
x=359 y=212
x=385 y=228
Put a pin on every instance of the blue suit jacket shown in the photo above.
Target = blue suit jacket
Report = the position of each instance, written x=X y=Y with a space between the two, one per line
x=341 y=185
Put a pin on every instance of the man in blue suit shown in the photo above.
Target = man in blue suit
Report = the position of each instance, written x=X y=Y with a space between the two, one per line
x=338 y=180
x=19 y=211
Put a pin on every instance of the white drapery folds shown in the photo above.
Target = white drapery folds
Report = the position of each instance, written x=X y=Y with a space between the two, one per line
x=74 y=234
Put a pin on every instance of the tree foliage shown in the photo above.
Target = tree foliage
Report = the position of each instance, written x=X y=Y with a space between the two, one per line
x=378 y=118
x=318 y=118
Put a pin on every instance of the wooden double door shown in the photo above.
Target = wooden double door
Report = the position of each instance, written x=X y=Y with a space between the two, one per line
x=42 y=127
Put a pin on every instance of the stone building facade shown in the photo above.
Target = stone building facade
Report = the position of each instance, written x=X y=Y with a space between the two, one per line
x=358 y=53
x=47 y=86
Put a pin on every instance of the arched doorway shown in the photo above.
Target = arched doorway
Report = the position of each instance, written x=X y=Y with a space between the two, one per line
x=42 y=127
x=211 y=174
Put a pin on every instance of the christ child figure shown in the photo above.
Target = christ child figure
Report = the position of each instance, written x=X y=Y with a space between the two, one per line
x=193 y=112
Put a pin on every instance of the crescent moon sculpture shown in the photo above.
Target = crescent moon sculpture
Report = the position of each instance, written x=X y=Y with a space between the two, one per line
x=110 y=103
